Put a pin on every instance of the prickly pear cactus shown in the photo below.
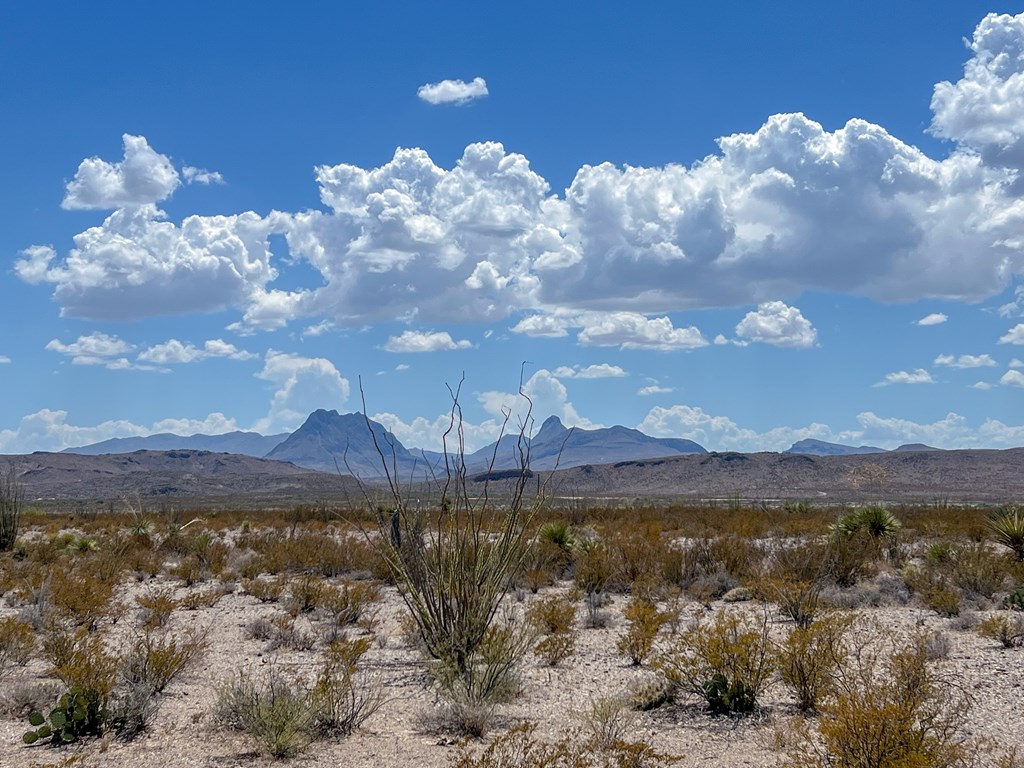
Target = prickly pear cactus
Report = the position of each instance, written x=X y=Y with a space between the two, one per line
x=78 y=713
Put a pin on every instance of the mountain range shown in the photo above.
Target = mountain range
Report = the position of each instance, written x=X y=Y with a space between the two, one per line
x=351 y=443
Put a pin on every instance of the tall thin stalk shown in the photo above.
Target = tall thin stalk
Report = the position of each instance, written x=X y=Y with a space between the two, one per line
x=12 y=495
x=453 y=560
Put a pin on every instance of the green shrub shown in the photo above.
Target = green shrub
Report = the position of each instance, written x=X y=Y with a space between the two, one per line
x=12 y=497
x=888 y=711
x=343 y=698
x=727 y=661
x=273 y=709
x=645 y=621
x=555 y=618
x=810 y=657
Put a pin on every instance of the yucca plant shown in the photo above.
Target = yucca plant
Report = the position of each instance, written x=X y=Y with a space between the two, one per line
x=1008 y=529
x=878 y=522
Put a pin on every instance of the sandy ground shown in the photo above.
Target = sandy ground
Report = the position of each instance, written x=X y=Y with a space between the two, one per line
x=184 y=735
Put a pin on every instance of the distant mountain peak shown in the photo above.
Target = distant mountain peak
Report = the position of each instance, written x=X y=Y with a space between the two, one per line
x=550 y=429
x=822 y=448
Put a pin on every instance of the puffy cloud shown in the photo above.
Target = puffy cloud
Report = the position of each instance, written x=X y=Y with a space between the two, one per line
x=144 y=176
x=788 y=208
x=49 y=430
x=174 y=351
x=917 y=376
x=984 y=110
x=1013 y=336
x=4 y=360
x=98 y=349
x=1012 y=378
x=654 y=389
x=630 y=330
x=428 y=434
x=425 y=341
x=935 y=318
x=722 y=433
x=597 y=371
x=1015 y=363
x=201 y=176
x=548 y=396
x=136 y=264
x=777 y=324
x=412 y=239
x=303 y=384
x=952 y=431
x=1014 y=308
x=453 y=91
x=966 y=361
x=981 y=385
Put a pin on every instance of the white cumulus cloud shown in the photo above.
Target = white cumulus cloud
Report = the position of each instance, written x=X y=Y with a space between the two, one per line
x=1014 y=336
x=1012 y=379
x=966 y=361
x=49 y=430
x=984 y=110
x=303 y=384
x=654 y=389
x=778 y=324
x=4 y=360
x=935 y=318
x=144 y=176
x=630 y=330
x=453 y=91
x=597 y=371
x=917 y=376
x=201 y=176
x=1016 y=363
x=425 y=341
x=98 y=349
x=136 y=264
x=173 y=351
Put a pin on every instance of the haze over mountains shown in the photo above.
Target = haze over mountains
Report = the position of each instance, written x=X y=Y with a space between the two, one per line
x=344 y=444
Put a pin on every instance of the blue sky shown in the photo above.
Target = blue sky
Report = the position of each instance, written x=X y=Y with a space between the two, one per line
x=743 y=223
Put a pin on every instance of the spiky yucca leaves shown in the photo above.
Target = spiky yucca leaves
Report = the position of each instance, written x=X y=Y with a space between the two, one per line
x=879 y=522
x=1008 y=529
x=453 y=563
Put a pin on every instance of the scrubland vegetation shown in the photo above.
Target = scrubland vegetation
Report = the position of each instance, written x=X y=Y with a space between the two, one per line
x=825 y=636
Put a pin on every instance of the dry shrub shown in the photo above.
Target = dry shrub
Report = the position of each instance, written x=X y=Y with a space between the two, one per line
x=343 y=697
x=350 y=602
x=727 y=661
x=155 y=659
x=977 y=570
x=79 y=658
x=17 y=643
x=518 y=747
x=1006 y=629
x=889 y=711
x=264 y=590
x=555 y=618
x=157 y=606
x=811 y=656
x=608 y=721
x=594 y=567
x=644 y=623
x=81 y=596
x=274 y=709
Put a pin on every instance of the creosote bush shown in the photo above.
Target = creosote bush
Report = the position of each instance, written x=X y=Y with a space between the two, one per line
x=518 y=747
x=728 y=661
x=811 y=656
x=888 y=711
x=644 y=623
x=1007 y=629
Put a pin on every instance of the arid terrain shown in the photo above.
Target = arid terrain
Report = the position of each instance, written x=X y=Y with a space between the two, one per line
x=257 y=594
x=184 y=479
